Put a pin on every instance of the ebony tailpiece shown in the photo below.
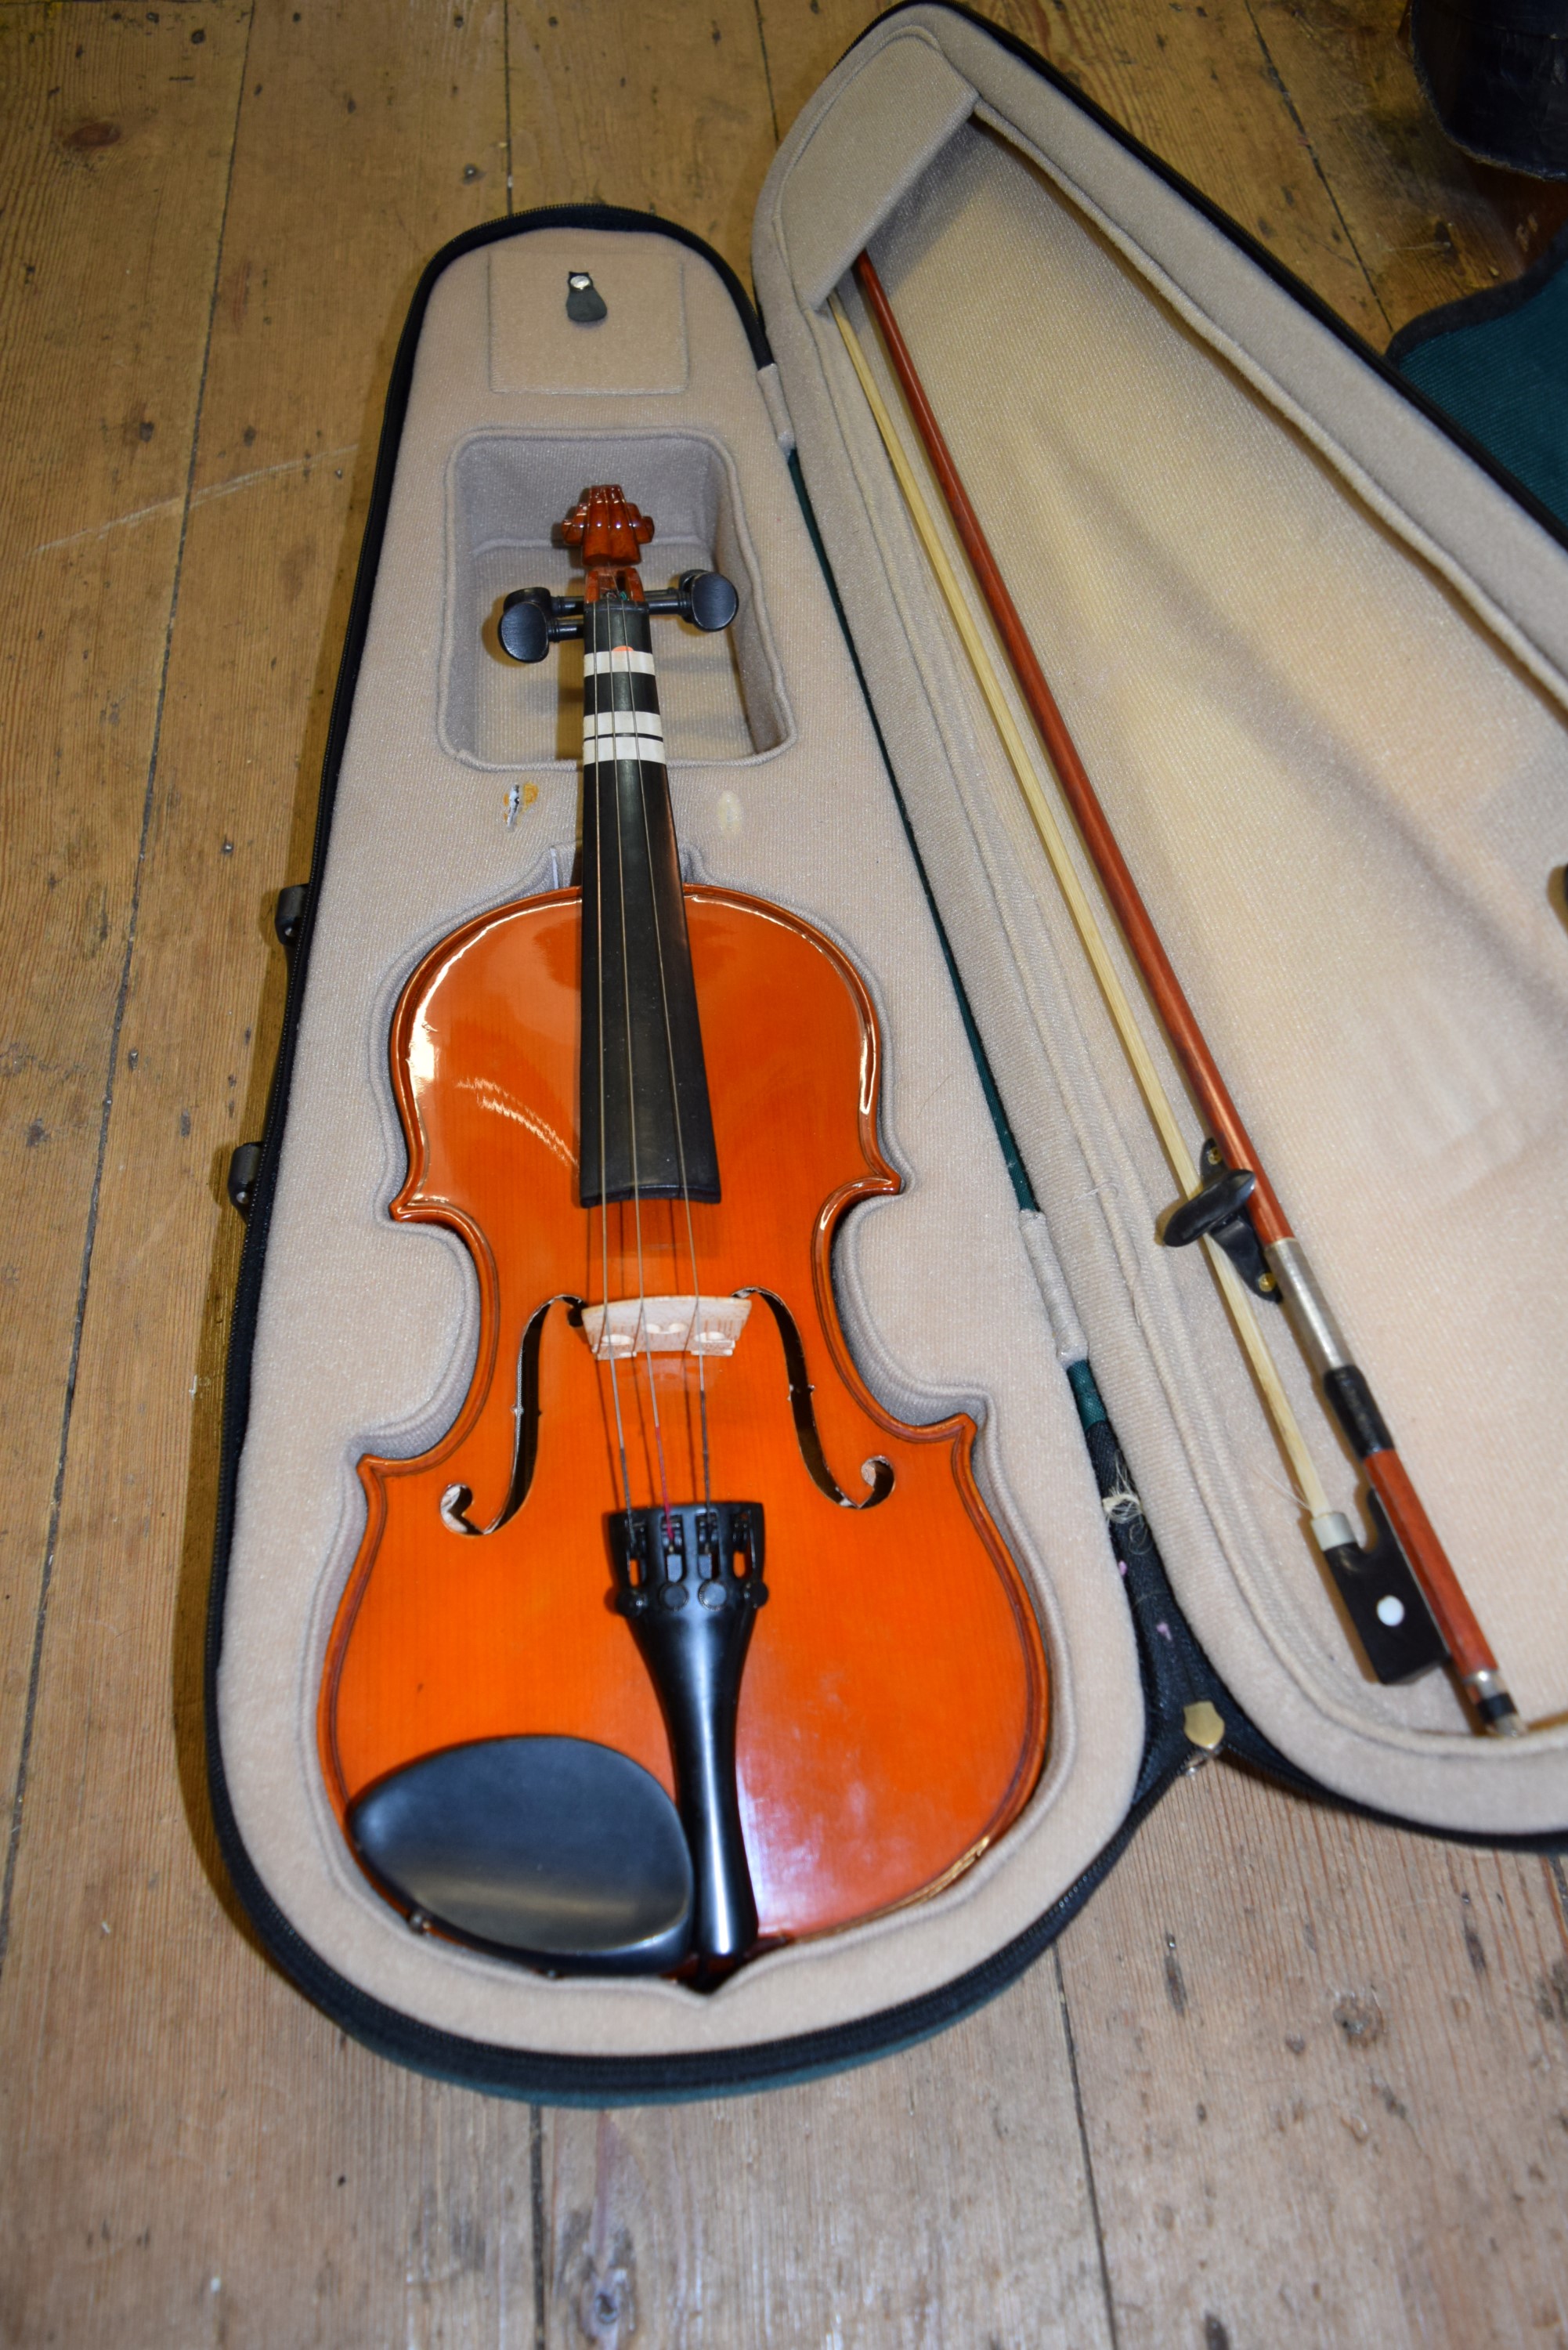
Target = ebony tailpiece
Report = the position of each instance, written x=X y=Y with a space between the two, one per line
x=689 y=1583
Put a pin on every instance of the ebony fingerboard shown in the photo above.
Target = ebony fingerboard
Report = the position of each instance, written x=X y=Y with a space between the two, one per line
x=642 y=1045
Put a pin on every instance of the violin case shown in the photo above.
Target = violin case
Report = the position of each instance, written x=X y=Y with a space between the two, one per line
x=1314 y=650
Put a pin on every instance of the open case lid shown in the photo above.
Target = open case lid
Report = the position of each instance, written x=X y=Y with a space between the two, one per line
x=1227 y=595
x=1314 y=654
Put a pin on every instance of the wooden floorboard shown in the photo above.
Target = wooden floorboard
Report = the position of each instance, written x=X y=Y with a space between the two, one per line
x=1290 y=2079
x=203 y=2120
x=112 y=176
x=1409 y=204
x=662 y=107
x=942 y=2197
x=1293 y=2030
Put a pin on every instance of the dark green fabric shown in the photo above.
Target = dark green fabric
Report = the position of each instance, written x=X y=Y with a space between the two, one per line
x=1499 y=366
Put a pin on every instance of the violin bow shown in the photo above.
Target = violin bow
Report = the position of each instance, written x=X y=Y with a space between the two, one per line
x=1234 y=1207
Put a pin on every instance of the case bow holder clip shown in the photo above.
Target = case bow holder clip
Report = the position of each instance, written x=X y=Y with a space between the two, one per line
x=1376 y=1586
x=1218 y=1212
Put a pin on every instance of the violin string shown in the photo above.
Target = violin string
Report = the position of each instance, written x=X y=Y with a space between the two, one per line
x=680 y=1131
x=591 y=692
x=619 y=612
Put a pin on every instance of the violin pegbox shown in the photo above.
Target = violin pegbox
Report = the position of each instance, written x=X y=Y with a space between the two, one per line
x=611 y=532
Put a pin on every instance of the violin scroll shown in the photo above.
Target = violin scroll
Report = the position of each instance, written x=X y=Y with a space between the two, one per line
x=611 y=532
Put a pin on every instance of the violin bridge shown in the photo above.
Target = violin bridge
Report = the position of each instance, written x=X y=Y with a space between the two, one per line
x=664 y=1325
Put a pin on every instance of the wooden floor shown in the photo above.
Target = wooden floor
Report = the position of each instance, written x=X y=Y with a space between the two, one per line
x=1291 y=2079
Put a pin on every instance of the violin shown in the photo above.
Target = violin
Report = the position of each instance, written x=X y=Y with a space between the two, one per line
x=677 y=1645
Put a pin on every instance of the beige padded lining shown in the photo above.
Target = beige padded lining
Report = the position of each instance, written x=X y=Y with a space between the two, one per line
x=366 y=1330
x=851 y=168
x=1315 y=661
x=639 y=347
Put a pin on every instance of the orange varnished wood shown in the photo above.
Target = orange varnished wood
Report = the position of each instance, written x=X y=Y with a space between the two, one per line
x=893 y=1711
x=609 y=533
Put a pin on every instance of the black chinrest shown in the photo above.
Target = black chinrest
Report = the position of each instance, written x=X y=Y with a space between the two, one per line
x=564 y=1853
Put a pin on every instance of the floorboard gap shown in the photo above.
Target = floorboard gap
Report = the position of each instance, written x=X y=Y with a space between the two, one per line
x=1084 y=2142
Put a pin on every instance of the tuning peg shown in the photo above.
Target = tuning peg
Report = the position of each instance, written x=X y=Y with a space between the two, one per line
x=706 y=599
x=532 y=620
x=524 y=625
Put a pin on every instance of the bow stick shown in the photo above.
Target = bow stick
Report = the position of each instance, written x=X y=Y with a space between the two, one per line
x=1234 y=1207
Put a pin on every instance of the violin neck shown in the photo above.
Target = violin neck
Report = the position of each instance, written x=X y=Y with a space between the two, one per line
x=646 y=1123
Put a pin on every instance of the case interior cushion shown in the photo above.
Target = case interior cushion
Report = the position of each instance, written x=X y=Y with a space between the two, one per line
x=1336 y=778
x=904 y=103
x=638 y=345
x=1343 y=802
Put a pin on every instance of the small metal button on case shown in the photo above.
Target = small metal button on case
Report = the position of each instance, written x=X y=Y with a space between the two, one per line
x=1204 y=1726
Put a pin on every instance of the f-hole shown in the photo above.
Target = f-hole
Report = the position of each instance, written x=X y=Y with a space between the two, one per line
x=456 y=1500
x=880 y=1476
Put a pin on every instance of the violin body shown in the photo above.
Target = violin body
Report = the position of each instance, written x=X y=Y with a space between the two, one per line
x=893 y=1713
x=677 y=1645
